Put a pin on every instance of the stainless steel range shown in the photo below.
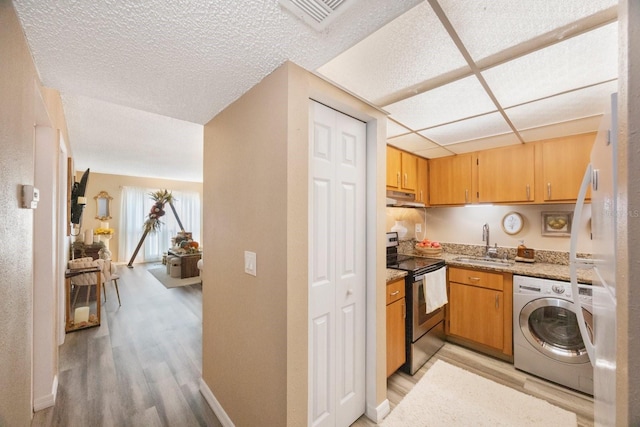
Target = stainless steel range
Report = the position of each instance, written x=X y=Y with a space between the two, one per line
x=424 y=332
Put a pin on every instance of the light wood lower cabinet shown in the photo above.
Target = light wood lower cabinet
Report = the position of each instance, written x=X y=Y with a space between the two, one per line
x=396 y=314
x=479 y=311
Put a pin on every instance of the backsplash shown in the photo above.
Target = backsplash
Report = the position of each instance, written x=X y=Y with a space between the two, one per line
x=548 y=257
x=464 y=225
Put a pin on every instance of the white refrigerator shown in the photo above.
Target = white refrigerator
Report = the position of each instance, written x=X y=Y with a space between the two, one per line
x=601 y=176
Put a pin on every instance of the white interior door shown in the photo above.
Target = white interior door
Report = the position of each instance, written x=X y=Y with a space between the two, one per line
x=337 y=277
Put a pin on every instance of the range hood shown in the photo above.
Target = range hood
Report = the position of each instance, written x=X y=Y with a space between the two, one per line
x=401 y=199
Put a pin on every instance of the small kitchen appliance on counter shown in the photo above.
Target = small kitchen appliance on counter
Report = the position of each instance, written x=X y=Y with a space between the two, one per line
x=424 y=332
x=525 y=254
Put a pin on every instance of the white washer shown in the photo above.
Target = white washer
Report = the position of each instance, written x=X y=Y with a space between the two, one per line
x=546 y=337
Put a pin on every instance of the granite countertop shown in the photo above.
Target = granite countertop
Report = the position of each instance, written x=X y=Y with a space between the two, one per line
x=536 y=269
x=393 y=275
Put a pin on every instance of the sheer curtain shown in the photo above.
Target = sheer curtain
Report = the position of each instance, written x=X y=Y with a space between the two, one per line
x=135 y=206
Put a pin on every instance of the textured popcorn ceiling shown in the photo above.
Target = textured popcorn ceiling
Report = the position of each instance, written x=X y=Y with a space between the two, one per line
x=467 y=75
x=133 y=74
x=139 y=79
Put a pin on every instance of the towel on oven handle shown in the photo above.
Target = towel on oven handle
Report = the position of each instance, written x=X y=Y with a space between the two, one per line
x=435 y=289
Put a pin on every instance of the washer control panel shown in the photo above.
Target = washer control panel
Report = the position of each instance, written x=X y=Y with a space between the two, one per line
x=548 y=287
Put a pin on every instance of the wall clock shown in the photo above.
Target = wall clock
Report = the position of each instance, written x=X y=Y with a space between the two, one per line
x=512 y=223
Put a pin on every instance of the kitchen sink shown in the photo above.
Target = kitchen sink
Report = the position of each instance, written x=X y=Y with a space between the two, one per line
x=486 y=262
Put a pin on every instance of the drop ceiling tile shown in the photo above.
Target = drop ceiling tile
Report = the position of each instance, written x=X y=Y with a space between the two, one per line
x=454 y=101
x=434 y=153
x=395 y=129
x=577 y=62
x=474 y=128
x=586 y=102
x=484 y=143
x=409 y=50
x=490 y=27
x=411 y=142
x=557 y=130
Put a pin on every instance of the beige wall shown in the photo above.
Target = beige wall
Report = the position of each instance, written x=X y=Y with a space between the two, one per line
x=113 y=184
x=464 y=225
x=244 y=317
x=255 y=195
x=18 y=85
x=628 y=248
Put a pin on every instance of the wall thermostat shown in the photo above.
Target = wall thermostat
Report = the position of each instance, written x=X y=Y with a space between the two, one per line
x=30 y=196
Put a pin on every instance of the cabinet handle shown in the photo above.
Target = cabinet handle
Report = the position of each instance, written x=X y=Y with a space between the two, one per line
x=421 y=199
x=497 y=301
x=404 y=310
x=466 y=196
x=548 y=190
x=393 y=294
x=405 y=179
x=528 y=192
x=474 y=279
x=398 y=179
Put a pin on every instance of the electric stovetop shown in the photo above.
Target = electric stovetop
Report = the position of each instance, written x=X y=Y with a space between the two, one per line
x=413 y=264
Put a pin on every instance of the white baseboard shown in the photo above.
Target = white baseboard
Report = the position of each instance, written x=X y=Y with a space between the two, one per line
x=215 y=405
x=48 y=400
x=377 y=414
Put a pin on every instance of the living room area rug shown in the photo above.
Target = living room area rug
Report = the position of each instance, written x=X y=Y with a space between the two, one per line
x=169 y=282
x=450 y=396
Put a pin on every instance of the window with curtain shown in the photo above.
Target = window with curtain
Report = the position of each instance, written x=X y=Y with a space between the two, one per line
x=135 y=206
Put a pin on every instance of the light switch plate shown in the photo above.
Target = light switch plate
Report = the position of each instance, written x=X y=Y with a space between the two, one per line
x=418 y=228
x=250 y=263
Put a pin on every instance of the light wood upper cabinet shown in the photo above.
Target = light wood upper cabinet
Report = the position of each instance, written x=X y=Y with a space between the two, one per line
x=450 y=180
x=506 y=174
x=409 y=171
x=422 y=185
x=402 y=170
x=564 y=161
x=394 y=167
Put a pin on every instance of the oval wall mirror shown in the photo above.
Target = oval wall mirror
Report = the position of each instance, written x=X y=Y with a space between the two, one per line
x=103 y=206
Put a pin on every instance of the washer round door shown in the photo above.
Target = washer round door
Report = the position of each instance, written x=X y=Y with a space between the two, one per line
x=551 y=327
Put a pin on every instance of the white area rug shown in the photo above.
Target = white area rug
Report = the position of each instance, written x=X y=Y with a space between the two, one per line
x=160 y=273
x=450 y=396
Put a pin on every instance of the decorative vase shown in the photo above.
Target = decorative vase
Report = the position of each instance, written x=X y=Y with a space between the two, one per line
x=105 y=239
x=400 y=229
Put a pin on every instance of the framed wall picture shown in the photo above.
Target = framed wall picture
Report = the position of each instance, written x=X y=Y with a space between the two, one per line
x=512 y=223
x=556 y=224
x=69 y=188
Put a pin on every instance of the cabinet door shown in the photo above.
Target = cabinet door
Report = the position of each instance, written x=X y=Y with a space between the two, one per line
x=409 y=172
x=394 y=166
x=477 y=314
x=395 y=336
x=564 y=161
x=506 y=174
x=450 y=180
x=423 y=180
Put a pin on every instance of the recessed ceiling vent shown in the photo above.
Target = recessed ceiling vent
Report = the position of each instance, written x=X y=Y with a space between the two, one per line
x=317 y=13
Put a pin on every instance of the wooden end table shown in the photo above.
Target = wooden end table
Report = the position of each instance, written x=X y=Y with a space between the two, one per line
x=188 y=263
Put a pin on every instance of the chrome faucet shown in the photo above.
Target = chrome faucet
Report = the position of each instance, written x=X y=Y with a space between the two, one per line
x=489 y=251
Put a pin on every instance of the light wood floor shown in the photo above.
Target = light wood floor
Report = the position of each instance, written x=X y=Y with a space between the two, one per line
x=140 y=367
x=399 y=384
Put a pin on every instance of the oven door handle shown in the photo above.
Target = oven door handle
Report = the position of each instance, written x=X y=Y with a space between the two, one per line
x=421 y=277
